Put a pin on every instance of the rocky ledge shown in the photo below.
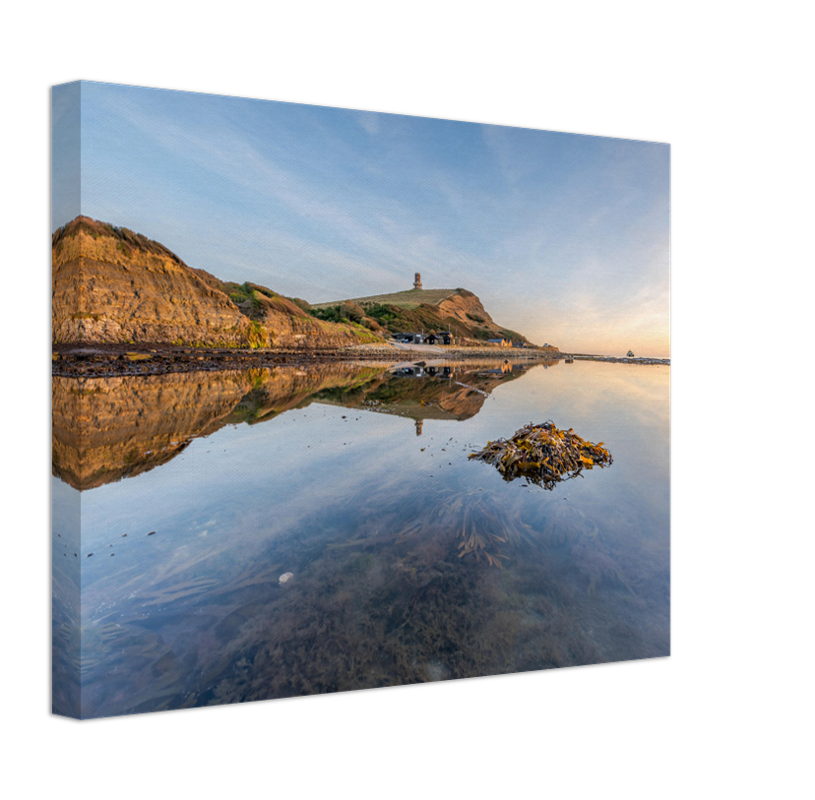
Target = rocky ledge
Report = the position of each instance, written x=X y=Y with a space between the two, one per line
x=110 y=360
x=615 y=360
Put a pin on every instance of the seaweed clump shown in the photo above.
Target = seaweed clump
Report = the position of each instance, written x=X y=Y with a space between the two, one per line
x=543 y=454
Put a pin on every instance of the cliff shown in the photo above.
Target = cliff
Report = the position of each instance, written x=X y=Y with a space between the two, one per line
x=430 y=310
x=466 y=308
x=112 y=285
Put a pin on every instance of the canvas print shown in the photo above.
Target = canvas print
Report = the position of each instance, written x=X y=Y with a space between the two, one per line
x=346 y=400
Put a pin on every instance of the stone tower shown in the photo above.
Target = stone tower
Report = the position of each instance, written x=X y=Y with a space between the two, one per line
x=417 y=281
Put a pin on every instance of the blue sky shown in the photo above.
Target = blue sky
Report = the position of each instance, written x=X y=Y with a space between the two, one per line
x=563 y=237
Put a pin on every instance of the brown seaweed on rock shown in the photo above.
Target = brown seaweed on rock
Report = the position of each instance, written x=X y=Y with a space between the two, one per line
x=544 y=455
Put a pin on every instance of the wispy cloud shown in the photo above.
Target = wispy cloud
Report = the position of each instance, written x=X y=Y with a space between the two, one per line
x=329 y=203
x=369 y=120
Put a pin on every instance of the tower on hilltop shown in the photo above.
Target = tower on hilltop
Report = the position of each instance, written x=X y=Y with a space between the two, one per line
x=417 y=281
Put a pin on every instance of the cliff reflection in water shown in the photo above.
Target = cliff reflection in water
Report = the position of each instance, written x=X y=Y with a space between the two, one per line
x=106 y=429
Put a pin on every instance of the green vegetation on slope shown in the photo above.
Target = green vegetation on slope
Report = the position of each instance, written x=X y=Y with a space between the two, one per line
x=405 y=319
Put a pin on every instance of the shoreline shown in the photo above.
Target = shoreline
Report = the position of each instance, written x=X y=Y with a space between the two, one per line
x=112 y=360
x=617 y=359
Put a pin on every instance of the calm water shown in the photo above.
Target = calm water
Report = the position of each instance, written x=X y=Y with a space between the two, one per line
x=199 y=491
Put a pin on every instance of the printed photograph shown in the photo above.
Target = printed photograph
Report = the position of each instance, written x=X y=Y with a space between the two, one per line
x=348 y=400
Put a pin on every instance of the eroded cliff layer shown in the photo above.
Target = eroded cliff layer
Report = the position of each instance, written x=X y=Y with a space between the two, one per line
x=467 y=308
x=112 y=285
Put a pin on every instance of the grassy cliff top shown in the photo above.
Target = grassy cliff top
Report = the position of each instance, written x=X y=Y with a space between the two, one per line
x=412 y=298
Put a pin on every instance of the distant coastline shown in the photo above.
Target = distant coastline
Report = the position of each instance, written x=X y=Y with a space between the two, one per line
x=616 y=359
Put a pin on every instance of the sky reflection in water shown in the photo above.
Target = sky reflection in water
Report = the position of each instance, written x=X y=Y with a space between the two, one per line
x=348 y=481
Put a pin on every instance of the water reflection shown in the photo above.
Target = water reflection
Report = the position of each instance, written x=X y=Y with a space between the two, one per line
x=106 y=429
x=182 y=602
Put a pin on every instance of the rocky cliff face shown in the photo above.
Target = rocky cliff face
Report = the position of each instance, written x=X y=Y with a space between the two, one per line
x=467 y=308
x=111 y=285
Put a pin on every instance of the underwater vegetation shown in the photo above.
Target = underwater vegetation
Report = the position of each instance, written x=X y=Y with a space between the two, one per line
x=405 y=600
x=482 y=524
x=392 y=593
x=363 y=620
x=544 y=455
x=463 y=522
